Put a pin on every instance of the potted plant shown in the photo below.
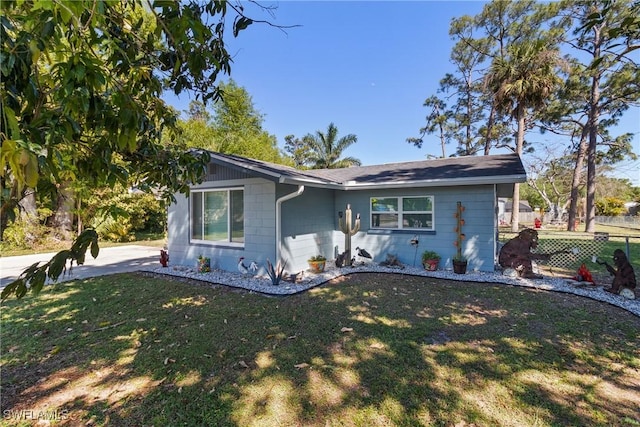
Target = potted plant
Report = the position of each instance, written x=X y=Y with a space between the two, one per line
x=459 y=261
x=317 y=263
x=430 y=260
x=204 y=264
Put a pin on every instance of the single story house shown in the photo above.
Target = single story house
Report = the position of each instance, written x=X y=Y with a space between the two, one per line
x=263 y=211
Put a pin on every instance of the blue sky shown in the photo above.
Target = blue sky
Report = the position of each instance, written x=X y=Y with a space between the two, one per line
x=366 y=66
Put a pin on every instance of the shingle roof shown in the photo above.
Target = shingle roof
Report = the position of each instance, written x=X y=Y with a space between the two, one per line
x=468 y=170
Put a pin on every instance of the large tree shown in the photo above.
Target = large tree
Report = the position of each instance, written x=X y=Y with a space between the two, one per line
x=82 y=82
x=326 y=149
x=605 y=34
x=81 y=89
x=522 y=82
x=238 y=126
x=298 y=150
x=234 y=127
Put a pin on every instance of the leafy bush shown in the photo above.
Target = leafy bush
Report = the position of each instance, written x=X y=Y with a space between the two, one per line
x=27 y=234
x=117 y=214
x=610 y=206
x=114 y=229
x=427 y=255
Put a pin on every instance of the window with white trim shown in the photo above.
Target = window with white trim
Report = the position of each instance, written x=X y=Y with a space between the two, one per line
x=217 y=216
x=407 y=212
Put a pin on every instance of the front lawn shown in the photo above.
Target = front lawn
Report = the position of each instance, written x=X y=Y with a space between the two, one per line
x=364 y=350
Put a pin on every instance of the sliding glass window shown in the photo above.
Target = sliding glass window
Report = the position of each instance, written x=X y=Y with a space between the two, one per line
x=217 y=216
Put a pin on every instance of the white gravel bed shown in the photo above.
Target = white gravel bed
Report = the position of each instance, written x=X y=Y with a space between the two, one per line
x=262 y=284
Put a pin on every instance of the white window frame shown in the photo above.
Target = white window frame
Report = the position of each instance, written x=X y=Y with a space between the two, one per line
x=228 y=241
x=400 y=212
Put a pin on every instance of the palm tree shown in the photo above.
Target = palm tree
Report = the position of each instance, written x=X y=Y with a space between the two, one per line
x=522 y=81
x=326 y=149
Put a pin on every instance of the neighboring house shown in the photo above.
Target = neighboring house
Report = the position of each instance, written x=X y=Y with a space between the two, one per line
x=505 y=207
x=258 y=210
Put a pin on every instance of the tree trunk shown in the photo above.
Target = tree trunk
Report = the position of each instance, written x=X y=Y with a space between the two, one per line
x=488 y=141
x=8 y=204
x=577 y=178
x=62 y=220
x=594 y=116
x=79 y=225
x=515 y=208
x=28 y=206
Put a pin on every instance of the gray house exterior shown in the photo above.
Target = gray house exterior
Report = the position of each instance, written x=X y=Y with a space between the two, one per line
x=259 y=210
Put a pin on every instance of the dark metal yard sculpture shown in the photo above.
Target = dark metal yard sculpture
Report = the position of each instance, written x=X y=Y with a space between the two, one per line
x=516 y=254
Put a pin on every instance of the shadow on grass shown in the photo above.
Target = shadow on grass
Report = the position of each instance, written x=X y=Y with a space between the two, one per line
x=362 y=350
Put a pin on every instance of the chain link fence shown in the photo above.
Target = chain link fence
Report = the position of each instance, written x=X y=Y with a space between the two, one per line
x=569 y=250
x=620 y=221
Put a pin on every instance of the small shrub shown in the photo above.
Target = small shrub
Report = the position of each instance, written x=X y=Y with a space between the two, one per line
x=426 y=255
x=114 y=230
x=27 y=234
x=610 y=206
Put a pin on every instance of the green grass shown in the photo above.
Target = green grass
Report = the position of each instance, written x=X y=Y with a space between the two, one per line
x=147 y=239
x=365 y=350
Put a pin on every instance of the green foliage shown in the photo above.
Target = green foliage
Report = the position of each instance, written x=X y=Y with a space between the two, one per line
x=523 y=80
x=610 y=206
x=238 y=126
x=35 y=276
x=117 y=214
x=323 y=150
x=580 y=98
x=298 y=150
x=26 y=232
x=114 y=229
x=427 y=255
x=276 y=272
x=81 y=85
x=529 y=193
x=235 y=127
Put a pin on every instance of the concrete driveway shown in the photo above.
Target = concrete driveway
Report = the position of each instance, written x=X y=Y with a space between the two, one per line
x=118 y=259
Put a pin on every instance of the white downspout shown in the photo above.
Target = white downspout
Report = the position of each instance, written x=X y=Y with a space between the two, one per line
x=279 y=217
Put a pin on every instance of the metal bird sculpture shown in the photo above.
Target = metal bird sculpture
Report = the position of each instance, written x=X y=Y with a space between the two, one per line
x=363 y=253
x=241 y=267
x=253 y=267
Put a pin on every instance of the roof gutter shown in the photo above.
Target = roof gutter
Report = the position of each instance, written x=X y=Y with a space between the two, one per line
x=354 y=185
x=279 y=217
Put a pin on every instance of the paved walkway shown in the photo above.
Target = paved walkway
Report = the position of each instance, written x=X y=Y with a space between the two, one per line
x=112 y=260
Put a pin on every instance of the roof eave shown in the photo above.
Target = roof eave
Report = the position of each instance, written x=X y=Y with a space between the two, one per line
x=489 y=180
x=284 y=178
x=245 y=166
x=310 y=182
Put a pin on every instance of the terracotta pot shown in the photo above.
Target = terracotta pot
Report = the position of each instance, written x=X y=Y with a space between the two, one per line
x=430 y=264
x=316 y=266
x=459 y=267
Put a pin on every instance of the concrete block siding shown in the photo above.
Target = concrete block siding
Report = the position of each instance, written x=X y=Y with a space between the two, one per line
x=307 y=227
x=479 y=230
x=310 y=226
x=306 y=222
x=259 y=228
